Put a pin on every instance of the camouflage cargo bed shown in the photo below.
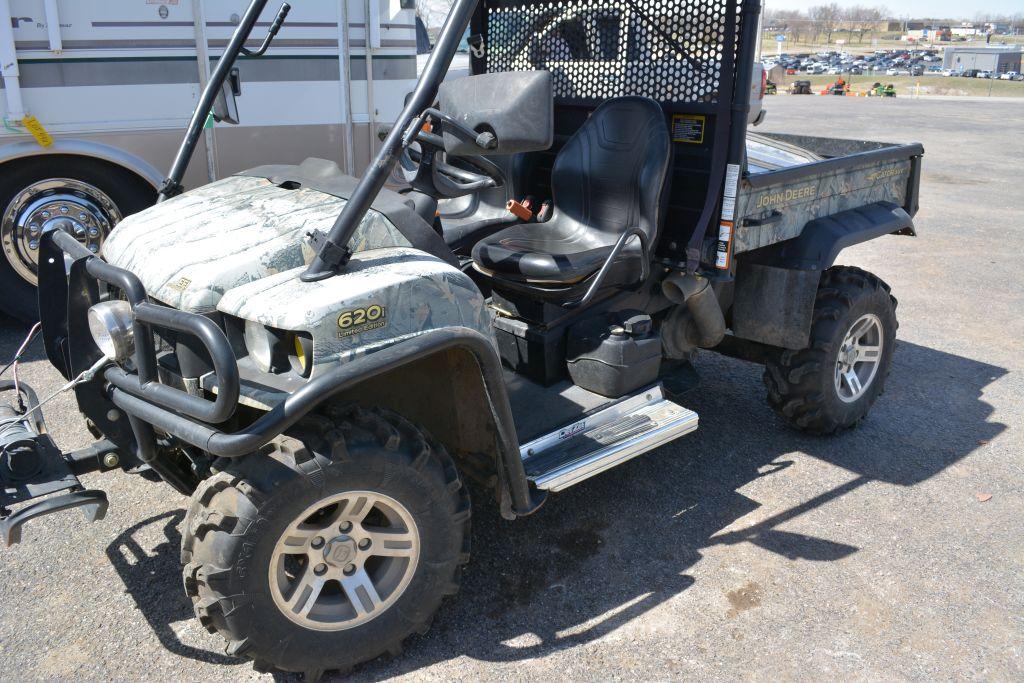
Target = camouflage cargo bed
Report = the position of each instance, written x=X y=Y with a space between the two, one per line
x=793 y=179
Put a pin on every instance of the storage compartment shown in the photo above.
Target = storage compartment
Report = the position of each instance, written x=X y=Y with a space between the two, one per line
x=614 y=355
x=535 y=353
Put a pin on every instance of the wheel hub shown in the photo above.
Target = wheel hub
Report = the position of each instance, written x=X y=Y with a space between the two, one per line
x=344 y=560
x=77 y=208
x=340 y=552
x=858 y=358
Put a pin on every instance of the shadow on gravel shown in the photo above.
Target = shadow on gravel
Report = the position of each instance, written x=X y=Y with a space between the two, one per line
x=154 y=581
x=613 y=548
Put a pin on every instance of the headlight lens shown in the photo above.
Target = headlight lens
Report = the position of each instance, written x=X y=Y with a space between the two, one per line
x=260 y=344
x=110 y=324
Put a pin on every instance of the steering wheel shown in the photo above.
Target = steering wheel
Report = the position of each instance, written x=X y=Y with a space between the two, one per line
x=427 y=167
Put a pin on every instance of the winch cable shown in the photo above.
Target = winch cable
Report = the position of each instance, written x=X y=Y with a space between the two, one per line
x=17 y=357
x=84 y=376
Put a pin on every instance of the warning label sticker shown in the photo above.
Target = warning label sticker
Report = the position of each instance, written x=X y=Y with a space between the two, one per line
x=688 y=128
x=732 y=179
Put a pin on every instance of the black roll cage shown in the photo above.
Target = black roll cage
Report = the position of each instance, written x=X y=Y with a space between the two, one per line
x=333 y=252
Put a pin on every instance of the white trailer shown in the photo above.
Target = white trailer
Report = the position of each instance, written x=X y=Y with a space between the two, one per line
x=108 y=86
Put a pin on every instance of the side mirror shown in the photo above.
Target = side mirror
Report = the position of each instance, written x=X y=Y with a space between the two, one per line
x=225 y=107
x=515 y=108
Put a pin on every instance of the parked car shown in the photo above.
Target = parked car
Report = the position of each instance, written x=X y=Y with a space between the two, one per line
x=1010 y=76
x=949 y=72
x=983 y=74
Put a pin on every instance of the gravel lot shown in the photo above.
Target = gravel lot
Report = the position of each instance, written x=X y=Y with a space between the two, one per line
x=744 y=551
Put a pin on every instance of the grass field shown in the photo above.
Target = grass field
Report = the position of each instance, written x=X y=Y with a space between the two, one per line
x=908 y=86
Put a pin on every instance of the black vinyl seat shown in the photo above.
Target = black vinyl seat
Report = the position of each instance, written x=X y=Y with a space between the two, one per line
x=610 y=176
x=466 y=220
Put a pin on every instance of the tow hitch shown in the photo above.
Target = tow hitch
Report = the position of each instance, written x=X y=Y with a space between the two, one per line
x=32 y=466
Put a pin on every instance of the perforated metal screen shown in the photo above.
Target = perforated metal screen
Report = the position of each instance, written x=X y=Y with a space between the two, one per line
x=675 y=51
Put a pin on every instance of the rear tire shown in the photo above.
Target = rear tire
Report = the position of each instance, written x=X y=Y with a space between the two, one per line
x=246 y=523
x=127 y=192
x=818 y=389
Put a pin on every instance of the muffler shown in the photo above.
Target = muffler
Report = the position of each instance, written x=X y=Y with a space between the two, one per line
x=697 y=319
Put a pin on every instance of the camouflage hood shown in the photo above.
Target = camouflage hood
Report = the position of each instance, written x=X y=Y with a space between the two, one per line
x=188 y=251
x=384 y=296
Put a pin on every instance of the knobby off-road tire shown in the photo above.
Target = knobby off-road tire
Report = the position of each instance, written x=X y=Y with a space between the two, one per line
x=807 y=387
x=234 y=533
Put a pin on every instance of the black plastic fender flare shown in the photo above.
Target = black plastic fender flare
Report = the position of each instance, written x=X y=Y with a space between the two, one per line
x=821 y=240
x=345 y=376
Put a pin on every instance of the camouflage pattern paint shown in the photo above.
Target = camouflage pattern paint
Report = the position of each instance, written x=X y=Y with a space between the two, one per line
x=188 y=251
x=413 y=291
x=801 y=201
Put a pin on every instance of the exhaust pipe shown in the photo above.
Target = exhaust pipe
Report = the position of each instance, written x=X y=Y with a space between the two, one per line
x=697 y=320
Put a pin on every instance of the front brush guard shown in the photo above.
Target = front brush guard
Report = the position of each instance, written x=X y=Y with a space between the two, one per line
x=92 y=502
x=190 y=419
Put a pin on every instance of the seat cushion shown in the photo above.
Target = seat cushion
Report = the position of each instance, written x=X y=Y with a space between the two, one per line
x=460 y=234
x=466 y=220
x=540 y=253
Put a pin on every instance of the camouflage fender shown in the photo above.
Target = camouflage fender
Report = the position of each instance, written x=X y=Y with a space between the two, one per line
x=384 y=295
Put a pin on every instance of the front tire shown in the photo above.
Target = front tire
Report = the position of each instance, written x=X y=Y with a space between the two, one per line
x=831 y=385
x=324 y=553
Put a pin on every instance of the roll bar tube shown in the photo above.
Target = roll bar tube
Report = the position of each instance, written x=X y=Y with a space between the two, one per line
x=335 y=253
x=172 y=185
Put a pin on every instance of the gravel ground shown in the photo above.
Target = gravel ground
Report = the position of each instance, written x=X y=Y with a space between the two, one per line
x=744 y=551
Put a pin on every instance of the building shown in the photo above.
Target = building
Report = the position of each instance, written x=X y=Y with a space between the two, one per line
x=966 y=31
x=997 y=59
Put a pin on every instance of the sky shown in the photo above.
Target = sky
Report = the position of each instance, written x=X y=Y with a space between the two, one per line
x=917 y=8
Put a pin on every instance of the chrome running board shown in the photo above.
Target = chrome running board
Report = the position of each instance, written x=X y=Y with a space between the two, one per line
x=605 y=439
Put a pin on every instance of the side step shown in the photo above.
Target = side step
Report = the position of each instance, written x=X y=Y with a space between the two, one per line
x=605 y=439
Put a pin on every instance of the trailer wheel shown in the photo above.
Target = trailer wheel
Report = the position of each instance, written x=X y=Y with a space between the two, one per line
x=86 y=197
x=322 y=553
x=832 y=383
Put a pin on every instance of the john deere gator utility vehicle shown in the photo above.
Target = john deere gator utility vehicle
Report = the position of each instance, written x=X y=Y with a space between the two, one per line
x=322 y=363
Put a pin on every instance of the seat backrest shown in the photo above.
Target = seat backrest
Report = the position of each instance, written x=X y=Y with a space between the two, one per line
x=612 y=173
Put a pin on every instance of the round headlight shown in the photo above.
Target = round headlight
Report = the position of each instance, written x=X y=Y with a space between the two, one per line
x=260 y=345
x=110 y=324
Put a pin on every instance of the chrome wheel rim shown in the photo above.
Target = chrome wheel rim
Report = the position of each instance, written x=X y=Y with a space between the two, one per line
x=859 y=357
x=344 y=561
x=78 y=208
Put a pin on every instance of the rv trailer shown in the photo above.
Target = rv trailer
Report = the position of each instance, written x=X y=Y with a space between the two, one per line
x=96 y=95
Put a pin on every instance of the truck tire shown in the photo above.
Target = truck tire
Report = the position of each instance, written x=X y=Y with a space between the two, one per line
x=39 y=193
x=832 y=383
x=287 y=553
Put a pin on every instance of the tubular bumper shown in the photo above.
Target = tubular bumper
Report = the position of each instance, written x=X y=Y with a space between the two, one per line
x=191 y=419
